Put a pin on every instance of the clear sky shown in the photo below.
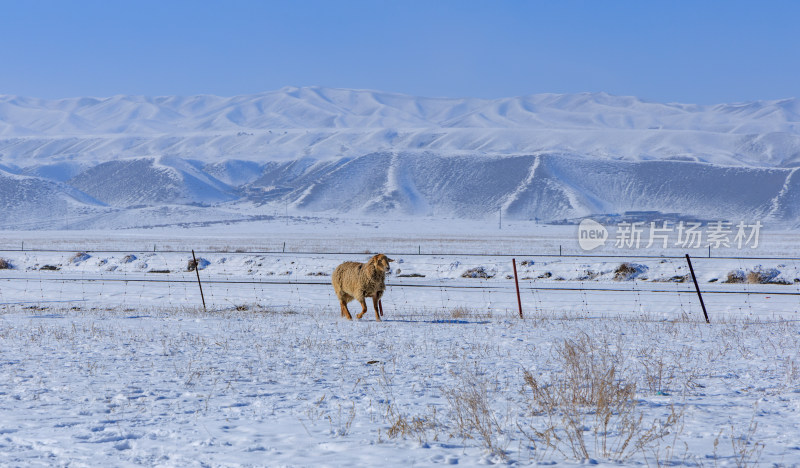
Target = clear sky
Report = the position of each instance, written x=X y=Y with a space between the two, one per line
x=668 y=51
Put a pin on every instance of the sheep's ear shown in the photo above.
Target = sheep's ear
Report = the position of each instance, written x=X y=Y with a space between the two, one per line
x=390 y=259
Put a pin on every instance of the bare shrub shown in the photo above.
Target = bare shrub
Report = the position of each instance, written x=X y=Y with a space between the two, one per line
x=467 y=313
x=459 y=312
x=472 y=413
x=419 y=427
x=628 y=271
x=765 y=276
x=588 y=275
x=735 y=277
x=589 y=398
x=746 y=450
x=477 y=272
x=341 y=422
x=199 y=264
x=664 y=373
x=678 y=279
x=80 y=257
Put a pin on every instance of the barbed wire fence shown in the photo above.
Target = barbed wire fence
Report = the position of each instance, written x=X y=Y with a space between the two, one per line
x=420 y=286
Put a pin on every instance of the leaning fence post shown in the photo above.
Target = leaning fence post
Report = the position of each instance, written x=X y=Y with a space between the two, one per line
x=697 y=288
x=197 y=270
x=516 y=282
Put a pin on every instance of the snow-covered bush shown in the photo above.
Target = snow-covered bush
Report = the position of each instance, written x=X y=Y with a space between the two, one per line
x=629 y=271
x=477 y=272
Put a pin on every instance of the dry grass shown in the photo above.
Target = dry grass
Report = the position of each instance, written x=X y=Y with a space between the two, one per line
x=765 y=276
x=477 y=272
x=590 y=409
x=582 y=400
x=465 y=313
x=80 y=257
x=755 y=276
x=735 y=277
x=193 y=264
x=472 y=414
x=628 y=271
x=419 y=427
x=746 y=449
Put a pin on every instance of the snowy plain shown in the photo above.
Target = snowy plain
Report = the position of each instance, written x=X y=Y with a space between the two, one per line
x=110 y=359
x=102 y=369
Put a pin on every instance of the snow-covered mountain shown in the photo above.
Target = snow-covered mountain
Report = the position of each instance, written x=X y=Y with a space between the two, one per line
x=333 y=150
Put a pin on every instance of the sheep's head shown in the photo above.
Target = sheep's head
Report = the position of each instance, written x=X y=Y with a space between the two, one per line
x=381 y=262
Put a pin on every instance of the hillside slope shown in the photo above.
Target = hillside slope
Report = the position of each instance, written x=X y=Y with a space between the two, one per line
x=320 y=150
x=326 y=123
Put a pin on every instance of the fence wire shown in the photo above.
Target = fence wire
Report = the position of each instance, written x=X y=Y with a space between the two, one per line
x=586 y=286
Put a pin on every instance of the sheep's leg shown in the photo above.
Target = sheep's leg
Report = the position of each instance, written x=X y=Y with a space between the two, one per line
x=380 y=304
x=375 y=306
x=363 y=303
x=345 y=312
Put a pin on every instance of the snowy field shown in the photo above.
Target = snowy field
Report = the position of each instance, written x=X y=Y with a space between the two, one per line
x=159 y=387
x=108 y=360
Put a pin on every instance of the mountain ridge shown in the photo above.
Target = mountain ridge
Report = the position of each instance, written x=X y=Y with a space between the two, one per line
x=331 y=122
x=545 y=156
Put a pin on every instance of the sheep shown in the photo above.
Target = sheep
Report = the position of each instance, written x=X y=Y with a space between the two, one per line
x=354 y=280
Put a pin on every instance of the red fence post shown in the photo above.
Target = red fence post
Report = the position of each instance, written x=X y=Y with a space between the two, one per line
x=516 y=282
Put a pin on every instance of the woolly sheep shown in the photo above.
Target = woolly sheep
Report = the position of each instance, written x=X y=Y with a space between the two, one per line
x=354 y=280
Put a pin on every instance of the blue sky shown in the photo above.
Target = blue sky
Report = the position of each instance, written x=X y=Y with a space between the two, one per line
x=672 y=51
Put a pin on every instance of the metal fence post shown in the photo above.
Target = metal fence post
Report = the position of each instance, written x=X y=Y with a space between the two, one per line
x=697 y=288
x=197 y=270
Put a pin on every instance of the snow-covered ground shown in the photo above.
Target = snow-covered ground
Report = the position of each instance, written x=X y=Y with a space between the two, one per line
x=301 y=387
x=108 y=360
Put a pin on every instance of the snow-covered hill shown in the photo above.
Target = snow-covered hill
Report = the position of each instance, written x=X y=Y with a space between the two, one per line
x=317 y=149
x=326 y=123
